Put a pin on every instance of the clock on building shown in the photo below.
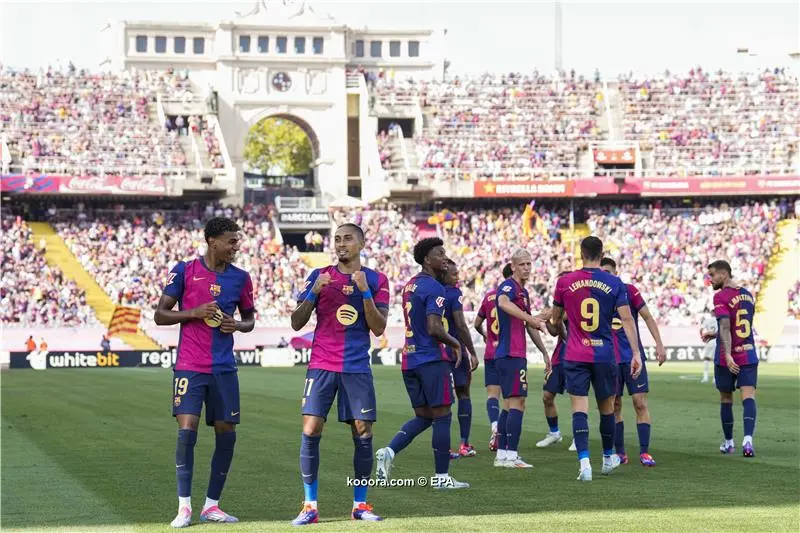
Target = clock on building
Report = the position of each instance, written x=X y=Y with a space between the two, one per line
x=282 y=82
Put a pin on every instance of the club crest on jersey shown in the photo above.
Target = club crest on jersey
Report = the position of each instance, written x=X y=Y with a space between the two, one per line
x=214 y=289
x=347 y=290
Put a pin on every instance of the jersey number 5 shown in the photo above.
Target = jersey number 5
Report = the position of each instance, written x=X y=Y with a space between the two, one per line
x=407 y=309
x=590 y=311
x=742 y=322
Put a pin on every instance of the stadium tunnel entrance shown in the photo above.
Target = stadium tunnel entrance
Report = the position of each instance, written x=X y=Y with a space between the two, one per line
x=281 y=154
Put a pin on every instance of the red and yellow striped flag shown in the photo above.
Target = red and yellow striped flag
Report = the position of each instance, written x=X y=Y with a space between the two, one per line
x=124 y=320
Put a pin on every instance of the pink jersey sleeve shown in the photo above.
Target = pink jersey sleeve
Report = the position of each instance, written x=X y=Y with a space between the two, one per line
x=720 y=305
x=382 y=297
x=635 y=298
x=558 y=294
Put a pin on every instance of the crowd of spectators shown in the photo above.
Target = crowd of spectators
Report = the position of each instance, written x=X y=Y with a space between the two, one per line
x=794 y=301
x=71 y=121
x=503 y=126
x=33 y=293
x=665 y=253
x=714 y=123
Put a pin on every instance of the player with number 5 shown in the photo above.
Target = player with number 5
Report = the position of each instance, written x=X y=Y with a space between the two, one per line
x=736 y=359
x=589 y=297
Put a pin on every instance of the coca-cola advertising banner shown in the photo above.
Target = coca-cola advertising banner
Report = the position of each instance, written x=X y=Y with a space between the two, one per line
x=607 y=186
x=53 y=184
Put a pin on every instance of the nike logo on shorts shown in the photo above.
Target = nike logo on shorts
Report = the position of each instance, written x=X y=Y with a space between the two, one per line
x=236 y=413
x=365 y=411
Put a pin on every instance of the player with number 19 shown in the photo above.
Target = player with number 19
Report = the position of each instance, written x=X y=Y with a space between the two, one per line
x=350 y=301
x=208 y=290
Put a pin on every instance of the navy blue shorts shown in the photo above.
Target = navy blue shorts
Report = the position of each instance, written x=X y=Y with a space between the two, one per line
x=490 y=375
x=557 y=381
x=728 y=382
x=356 y=395
x=462 y=375
x=220 y=393
x=601 y=376
x=430 y=384
x=513 y=372
x=635 y=386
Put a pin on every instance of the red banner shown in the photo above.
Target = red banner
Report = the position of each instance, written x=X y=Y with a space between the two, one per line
x=690 y=186
x=528 y=189
x=50 y=184
x=626 y=156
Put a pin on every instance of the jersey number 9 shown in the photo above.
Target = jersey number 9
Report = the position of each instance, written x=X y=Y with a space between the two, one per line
x=590 y=311
x=743 y=323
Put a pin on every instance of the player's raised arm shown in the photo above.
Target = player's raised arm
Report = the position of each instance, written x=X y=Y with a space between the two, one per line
x=308 y=299
x=376 y=306
x=505 y=303
x=661 y=353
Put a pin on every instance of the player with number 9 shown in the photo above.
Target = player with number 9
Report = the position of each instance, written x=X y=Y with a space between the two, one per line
x=491 y=380
x=736 y=359
x=589 y=297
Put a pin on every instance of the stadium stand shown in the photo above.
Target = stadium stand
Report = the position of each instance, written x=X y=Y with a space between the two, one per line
x=33 y=293
x=503 y=126
x=714 y=123
x=664 y=251
x=85 y=124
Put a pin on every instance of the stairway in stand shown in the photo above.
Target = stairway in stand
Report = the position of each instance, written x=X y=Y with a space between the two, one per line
x=782 y=273
x=59 y=255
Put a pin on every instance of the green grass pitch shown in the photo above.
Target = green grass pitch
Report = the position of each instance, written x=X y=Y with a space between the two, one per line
x=93 y=450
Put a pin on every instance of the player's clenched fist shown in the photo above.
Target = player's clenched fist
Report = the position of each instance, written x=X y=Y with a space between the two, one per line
x=322 y=280
x=360 y=279
x=205 y=311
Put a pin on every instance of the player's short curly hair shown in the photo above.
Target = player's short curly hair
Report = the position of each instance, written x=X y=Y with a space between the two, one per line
x=507 y=272
x=424 y=247
x=219 y=225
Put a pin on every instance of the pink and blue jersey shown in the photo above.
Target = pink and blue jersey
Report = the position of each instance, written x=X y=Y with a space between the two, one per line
x=622 y=348
x=561 y=347
x=423 y=295
x=511 y=340
x=342 y=338
x=737 y=305
x=202 y=348
x=453 y=301
x=590 y=297
x=488 y=311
